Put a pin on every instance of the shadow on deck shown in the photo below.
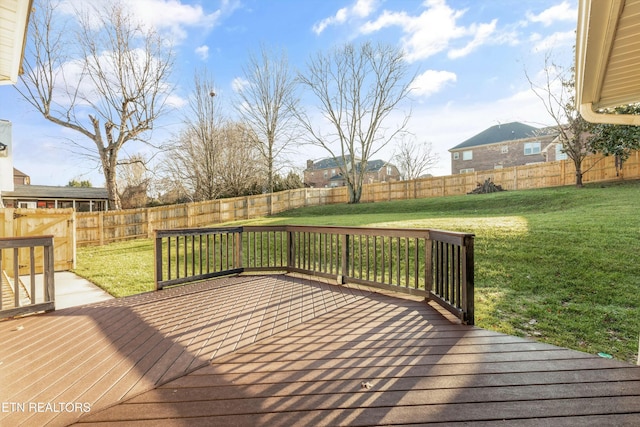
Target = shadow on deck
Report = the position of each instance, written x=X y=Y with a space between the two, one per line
x=283 y=350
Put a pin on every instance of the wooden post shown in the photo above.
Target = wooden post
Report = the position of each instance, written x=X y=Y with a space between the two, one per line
x=468 y=277
x=344 y=262
x=101 y=228
x=49 y=276
x=237 y=249
x=157 y=256
x=428 y=267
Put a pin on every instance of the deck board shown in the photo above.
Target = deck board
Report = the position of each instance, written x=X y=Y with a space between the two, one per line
x=282 y=350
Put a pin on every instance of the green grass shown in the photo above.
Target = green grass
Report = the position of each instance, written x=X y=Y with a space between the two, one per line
x=560 y=265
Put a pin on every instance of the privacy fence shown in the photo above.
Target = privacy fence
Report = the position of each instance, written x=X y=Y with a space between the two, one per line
x=98 y=228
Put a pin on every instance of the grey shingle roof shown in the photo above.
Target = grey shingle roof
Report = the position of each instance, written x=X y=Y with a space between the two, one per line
x=498 y=133
x=50 y=192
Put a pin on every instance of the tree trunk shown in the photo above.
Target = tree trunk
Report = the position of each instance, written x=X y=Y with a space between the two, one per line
x=112 y=189
x=578 y=166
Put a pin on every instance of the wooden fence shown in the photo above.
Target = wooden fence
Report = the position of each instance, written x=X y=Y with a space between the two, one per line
x=37 y=222
x=435 y=264
x=98 y=228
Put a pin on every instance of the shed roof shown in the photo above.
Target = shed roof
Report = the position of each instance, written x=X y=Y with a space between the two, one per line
x=51 y=192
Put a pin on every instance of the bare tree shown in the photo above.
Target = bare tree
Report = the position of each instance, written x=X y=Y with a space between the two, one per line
x=358 y=88
x=242 y=173
x=134 y=179
x=267 y=103
x=414 y=159
x=107 y=79
x=557 y=93
x=212 y=158
x=195 y=159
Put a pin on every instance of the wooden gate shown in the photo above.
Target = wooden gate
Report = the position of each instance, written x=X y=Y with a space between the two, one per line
x=39 y=222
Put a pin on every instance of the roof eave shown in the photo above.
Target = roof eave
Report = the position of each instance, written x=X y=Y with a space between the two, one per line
x=597 y=30
x=17 y=20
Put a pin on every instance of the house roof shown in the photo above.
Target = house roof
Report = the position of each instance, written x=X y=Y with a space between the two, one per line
x=329 y=162
x=16 y=172
x=14 y=19
x=499 y=133
x=50 y=192
x=607 y=59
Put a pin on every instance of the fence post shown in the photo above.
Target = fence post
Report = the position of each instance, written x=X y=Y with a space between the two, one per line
x=101 y=227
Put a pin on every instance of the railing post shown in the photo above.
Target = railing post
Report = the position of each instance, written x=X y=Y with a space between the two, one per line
x=290 y=250
x=344 y=261
x=468 y=285
x=237 y=250
x=157 y=255
x=49 y=275
x=428 y=270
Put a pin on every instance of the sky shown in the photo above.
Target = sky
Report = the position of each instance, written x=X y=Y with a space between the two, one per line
x=469 y=58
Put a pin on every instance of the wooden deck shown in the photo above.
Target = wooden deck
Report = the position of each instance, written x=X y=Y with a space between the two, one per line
x=280 y=350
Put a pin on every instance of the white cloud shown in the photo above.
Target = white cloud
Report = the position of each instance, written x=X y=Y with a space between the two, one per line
x=202 y=52
x=559 y=12
x=434 y=30
x=238 y=84
x=553 y=41
x=360 y=9
x=481 y=34
x=431 y=81
x=170 y=16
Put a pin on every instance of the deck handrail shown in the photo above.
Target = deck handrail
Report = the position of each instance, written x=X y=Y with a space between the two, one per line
x=434 y=263
x=20 y=253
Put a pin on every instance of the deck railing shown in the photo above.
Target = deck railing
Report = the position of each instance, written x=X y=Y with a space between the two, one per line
x=23 y=292
x=436 y=264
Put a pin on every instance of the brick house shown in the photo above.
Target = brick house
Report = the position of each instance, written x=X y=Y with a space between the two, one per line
x=506 y=145
x=326 y=172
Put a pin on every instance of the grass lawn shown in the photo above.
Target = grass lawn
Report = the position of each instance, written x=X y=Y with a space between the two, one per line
x=560 y=265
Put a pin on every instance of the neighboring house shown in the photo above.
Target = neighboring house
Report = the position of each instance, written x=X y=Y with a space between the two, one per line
x=81 y=199
x=20 y=178
x=505 y=145
x=326 y=173
x=16 y=190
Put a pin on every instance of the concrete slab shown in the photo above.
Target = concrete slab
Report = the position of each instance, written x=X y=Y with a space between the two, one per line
x=71 y=290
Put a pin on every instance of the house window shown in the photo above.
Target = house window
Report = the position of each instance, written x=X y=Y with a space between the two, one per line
x=389 y=171
x=467 y=155
x=326 y=174
x=531 y=148
x=467 y=170
x=504 y=149
x=559 y=154
x=456 y=156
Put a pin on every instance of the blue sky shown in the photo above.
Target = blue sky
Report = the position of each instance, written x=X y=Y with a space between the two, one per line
x=470 y=57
